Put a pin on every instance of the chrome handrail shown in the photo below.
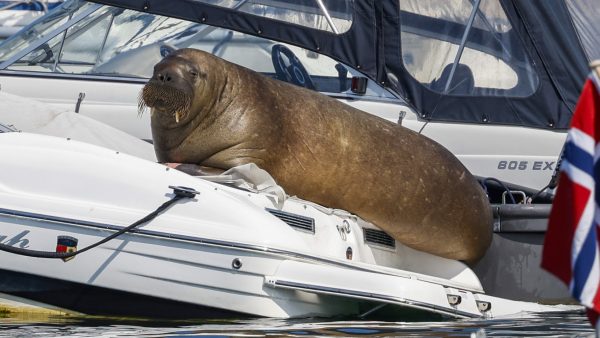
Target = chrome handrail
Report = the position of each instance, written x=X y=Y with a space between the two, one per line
x=490 y=27
x=463 y=42
x=327 y=16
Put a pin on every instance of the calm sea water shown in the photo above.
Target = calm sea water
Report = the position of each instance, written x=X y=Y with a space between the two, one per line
x=555 y=325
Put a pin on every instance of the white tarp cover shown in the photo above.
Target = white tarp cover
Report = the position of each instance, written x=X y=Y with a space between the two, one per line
x=31 y=116
x=251 y=177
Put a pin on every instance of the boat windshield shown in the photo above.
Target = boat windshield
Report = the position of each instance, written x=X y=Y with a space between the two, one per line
x=6 y=129
x=90 y=39
x=331 y=16
x=43 y=26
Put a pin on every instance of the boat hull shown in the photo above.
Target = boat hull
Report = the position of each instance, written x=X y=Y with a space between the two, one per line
x=95 y=300
x=199 y=276
x=511 y=267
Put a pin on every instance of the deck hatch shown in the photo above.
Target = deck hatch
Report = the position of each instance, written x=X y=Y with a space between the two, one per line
x=295 y=221
x=379 y=237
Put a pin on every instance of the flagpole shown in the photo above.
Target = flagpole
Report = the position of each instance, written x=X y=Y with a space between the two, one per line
x=595 y=66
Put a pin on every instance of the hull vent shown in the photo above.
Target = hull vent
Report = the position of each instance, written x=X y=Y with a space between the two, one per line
x=379 y=237
x=295 y=221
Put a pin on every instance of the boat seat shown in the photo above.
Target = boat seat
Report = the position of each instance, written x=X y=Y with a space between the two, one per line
x=462 y=83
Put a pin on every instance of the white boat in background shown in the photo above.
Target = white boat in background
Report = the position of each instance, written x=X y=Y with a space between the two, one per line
x=16 y=14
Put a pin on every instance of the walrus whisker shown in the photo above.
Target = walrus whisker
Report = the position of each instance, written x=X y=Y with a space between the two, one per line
x=141 y=103
x=174 y=101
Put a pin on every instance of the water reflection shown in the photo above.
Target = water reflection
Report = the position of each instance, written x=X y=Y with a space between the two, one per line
x=573 y=324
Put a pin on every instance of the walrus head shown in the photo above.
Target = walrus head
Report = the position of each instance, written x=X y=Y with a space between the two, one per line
x=187 y=94
x=170 y=92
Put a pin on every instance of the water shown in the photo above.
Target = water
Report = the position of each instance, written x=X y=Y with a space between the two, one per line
x=573 y=324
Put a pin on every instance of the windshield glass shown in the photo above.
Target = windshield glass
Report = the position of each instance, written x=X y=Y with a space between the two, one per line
x=119 y=42
x=41 y=28
x=334 y=16
x=463 y=47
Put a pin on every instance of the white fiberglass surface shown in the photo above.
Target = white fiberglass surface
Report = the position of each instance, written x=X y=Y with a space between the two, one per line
x=89 y=183
x=26 y=115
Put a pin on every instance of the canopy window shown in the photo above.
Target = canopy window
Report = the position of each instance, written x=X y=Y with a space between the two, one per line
x=462 y=47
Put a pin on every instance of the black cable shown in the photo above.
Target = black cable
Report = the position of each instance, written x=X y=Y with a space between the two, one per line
x=539 y=192
x=554 y=179
x=512 y=198
x=180 y=193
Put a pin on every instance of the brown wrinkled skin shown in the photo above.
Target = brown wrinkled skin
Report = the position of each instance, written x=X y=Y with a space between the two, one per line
x=324 y=151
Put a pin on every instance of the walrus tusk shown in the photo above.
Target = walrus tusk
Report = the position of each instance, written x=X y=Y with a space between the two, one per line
x=177 y=115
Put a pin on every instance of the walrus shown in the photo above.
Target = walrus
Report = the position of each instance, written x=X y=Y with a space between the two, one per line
x=212 y=113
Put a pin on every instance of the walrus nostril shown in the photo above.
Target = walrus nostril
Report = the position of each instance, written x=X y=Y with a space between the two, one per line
x=166 y=77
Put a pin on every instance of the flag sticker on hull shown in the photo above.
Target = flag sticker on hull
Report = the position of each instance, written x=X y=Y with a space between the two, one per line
x=66 y=244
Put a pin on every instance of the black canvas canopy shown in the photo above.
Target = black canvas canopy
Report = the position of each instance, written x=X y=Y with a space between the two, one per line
x=514 y=62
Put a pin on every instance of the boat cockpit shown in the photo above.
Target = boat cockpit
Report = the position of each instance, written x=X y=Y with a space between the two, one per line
x=88 y=39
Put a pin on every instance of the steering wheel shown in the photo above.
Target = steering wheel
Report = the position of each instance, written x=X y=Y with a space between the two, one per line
x=291 y=71
x=166 y=49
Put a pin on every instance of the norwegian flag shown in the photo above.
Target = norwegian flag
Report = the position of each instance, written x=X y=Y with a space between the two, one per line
x=571 y=246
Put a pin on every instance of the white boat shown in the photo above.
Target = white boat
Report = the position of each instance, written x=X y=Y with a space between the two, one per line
x=230 y=251
x=225 y=252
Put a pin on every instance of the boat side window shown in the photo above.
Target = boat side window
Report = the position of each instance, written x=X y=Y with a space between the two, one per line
x=332 y=16
x=466 y=48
